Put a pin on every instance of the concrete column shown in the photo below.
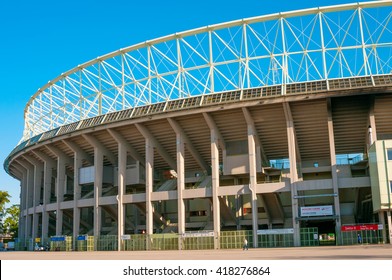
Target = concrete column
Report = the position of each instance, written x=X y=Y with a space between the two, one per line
x=60 y=187
x=30 y=188
x=381 y=218
x=29 y=219
x=253 y=182
x=389 y=226
x=180 y=186
x=122 y=173
x=78 y=163
x=38 y=168
x=238 y=206
x=28 y=196
x=98 y=166
x=48 y=170
x=149 y=188
x=335 y=185
x=215 y=186
x=22 y=222
x=293 y=172
x=149 y=185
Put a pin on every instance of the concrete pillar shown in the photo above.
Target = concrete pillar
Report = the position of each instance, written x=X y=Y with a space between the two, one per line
x=98 y=179
x=149 y=188
x=60 y=187
x=28 y=196
x=22 y=220
x=48 y=170
x=238 y=205
x=78 y=163
x=253 y=182
x=335 y=185
x=293 y=172
x=381 y=219
x=122 y=173
x=180 y=186
x=389 y=226
x=215 y=186
x=38 y=169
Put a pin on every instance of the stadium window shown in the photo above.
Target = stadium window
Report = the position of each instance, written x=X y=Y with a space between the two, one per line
x=389 y=152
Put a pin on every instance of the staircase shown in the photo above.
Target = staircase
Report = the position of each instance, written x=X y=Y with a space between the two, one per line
x=168 y=185
x=273 y=207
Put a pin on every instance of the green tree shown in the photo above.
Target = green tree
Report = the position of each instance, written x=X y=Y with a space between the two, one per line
x=11 y=222
x=4 y=199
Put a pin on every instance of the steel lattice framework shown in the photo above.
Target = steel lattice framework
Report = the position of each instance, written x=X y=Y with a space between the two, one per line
x=308 y=45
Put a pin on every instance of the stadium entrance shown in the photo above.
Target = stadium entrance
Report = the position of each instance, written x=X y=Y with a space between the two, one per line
x=326 y=231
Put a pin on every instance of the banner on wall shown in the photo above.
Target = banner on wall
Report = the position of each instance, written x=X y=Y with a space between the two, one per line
x=314 y=211
x=362 y=227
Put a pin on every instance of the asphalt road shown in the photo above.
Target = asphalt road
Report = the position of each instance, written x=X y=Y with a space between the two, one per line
x=357 y=252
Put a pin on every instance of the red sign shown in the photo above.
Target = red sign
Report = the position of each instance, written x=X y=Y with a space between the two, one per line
x=360 y=227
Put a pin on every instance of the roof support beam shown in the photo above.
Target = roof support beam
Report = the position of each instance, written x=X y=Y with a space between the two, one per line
x=68 y=160
x=291 y=127
x=291 y=140
x=252 y=131
x=96 y=144
x=334 y=172
x=160 y=149
x=131 y=150
x=76 y=149
x=212 y=125
x=371 y=136
x=190 y=147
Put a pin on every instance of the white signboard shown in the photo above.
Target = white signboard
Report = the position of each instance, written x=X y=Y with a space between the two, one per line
x=314 y=211
x=125 y=237
x=276 y=231
x=198 y=234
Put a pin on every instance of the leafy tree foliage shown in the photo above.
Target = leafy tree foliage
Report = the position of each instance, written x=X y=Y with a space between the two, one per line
x=11 y=221
x=9 y=217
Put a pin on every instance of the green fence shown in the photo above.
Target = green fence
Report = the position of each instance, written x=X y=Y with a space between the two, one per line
x=61 y=243
x=367 y=237
x=137 y=242
x=309 y=237
x=164 y=241
x=107 y=243
x=235 y=239
x=87 y=244
x=197 y=241
x=275 y=240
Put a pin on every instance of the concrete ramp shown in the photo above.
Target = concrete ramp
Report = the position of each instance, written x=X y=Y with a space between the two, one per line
x=168 y=185
x=158 y=218
x=273 y=207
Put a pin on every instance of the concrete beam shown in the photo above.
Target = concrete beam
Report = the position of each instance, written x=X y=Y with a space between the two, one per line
x=131 y=150
x=190 y=147
x=212 y=125
x=59 y=153
x=96 y=144
x=252 y=130
x=76 y=149
x=162 y=151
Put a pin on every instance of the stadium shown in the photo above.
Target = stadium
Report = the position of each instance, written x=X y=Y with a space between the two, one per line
x=275 y=129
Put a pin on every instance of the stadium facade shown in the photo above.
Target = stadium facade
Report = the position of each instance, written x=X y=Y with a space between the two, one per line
x=275 y=128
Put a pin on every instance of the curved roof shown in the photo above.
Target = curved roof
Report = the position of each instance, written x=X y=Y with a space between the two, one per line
x=317 y=44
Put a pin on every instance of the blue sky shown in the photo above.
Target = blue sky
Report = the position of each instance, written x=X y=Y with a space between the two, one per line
x=41 y=39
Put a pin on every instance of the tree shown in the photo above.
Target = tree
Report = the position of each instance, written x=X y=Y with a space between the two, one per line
x=11 y=222
x=4 y=199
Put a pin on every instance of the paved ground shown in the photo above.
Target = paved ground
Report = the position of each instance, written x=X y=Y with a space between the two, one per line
x=374 y=252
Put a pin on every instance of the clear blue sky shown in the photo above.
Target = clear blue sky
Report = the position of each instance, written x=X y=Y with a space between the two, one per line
x=41 y=39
